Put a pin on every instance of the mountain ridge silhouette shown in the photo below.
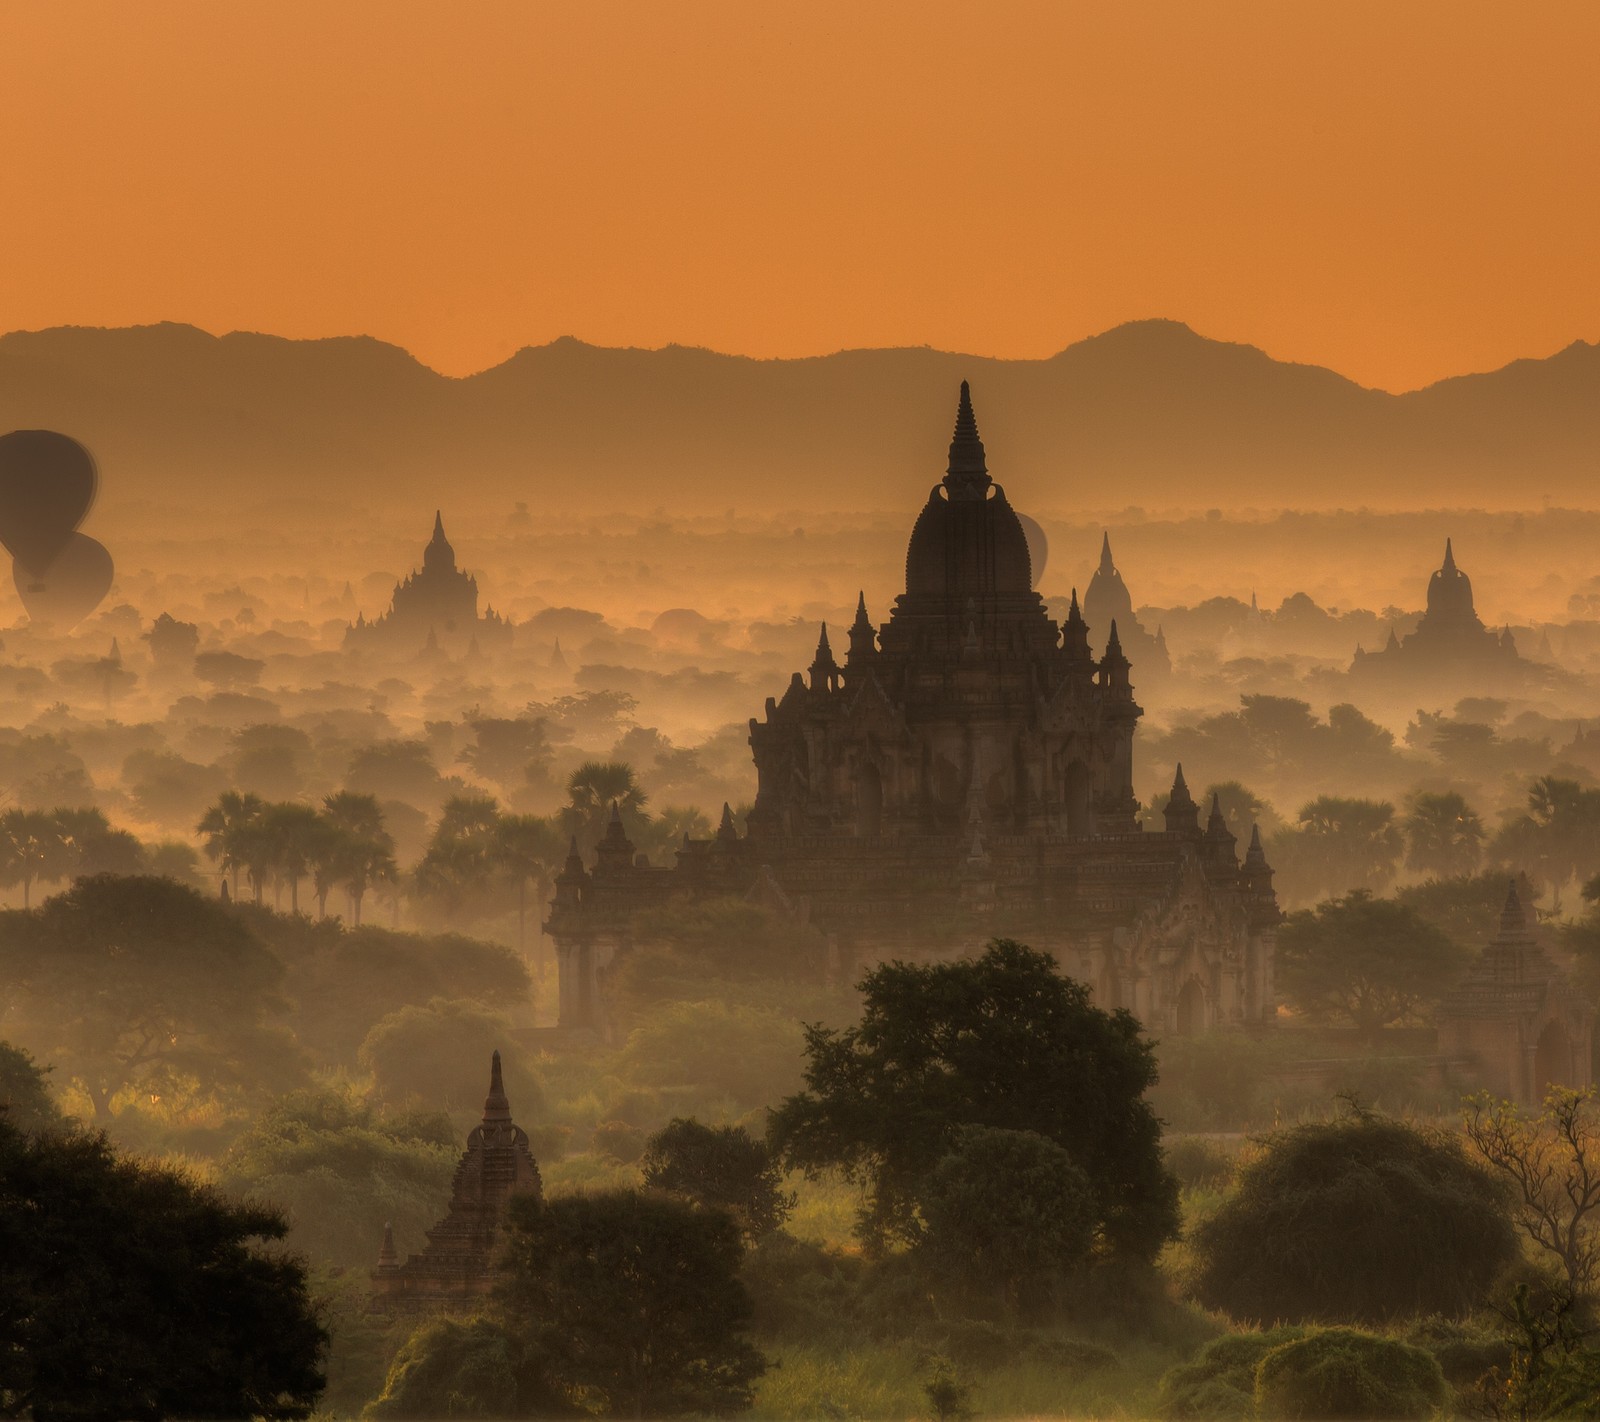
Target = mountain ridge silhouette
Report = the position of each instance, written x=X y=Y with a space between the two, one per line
x=1148 y=413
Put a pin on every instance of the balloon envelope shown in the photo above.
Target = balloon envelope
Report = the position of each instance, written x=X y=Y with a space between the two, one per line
x=47 y=483
x=74 y=584
x=1038 y=546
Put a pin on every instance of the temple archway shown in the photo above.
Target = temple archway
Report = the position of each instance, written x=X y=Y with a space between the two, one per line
x=1190 y=1017
x=1552 y=1060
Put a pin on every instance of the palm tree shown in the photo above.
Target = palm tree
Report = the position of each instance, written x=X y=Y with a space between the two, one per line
x=1444 y=835
x=226 y=827
x=461 y=857
x=293 y=833
x=360 y=850
x=1350 y=844
x=529 y=847
x=592 y=789
x=33 y=847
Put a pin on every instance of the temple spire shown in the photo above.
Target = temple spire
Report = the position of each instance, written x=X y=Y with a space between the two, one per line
x=1181 y=814
x=1106 y=565
x=495 y=1106
x=863 y=639
x=968 y=474
x=1449 y=557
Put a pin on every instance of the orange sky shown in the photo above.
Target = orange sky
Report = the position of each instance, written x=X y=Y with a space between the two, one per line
x=1401 y=190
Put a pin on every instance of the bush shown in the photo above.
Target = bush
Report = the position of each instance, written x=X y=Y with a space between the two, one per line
x=471 y=1368
x=803 y=1291
x=341 y=1173
x=1339 y=1374
x=1433 y=1229
x=1007 y=1214
x=25 y=1100
x=722 y=1167
x=1220 y=1384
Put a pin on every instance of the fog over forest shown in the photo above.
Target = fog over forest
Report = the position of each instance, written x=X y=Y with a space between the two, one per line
x=439 y=897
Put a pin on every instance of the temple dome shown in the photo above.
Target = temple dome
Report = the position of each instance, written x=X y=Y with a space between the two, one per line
x=968 y=541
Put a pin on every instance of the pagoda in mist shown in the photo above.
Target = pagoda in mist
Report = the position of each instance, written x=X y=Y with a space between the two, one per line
x=965 y=772
x=435 y=607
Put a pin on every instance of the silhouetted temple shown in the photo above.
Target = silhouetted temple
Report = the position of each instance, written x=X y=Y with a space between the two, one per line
x=1451 y=646
x=1517 y=1016
x=1107 y=603
x=435 y=608
x=965 y=772
x=457 y=1266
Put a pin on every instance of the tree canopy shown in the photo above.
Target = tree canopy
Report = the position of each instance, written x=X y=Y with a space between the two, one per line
x=723 y=1167
x=1370 y=962
x=141 y=982
x=1004 y=1041
x=635 y=1299
x=131 y=1292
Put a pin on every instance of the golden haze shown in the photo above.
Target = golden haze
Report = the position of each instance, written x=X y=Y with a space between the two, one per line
x=1399 y=192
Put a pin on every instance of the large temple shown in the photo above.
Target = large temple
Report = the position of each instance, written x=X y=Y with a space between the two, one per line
x=966 y=772
x=435 y=607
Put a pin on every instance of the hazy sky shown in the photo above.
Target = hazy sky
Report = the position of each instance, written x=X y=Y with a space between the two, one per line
x=1401 y=190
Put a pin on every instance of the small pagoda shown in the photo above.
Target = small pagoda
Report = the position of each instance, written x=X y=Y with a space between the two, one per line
x=457 y=1266
x=1517 y=1016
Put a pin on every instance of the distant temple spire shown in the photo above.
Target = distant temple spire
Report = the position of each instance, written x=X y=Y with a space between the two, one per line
x=1449 y=564
x=1107 y=566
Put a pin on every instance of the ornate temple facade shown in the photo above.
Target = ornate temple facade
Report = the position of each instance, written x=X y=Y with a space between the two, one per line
x=434 y=609
x=966 y=772
x=1517 y=1017
x=1107 y=602
x=457 y=1266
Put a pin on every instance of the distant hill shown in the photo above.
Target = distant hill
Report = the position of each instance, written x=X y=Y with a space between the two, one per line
x=1149 y=413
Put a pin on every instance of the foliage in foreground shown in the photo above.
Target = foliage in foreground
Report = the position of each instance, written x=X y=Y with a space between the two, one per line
x=636 y=1301
x=130 y=1292
x=1001 y=1041
x=1433 y=1229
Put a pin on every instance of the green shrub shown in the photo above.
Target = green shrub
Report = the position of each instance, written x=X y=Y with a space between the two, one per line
x=1363 y=1219
x=803 y=1291
x=1340 y=1374
x=1220 y=1384
x=341 y=1172
x=471 y=1368
x=1464 y=1352
x=1008 y=1214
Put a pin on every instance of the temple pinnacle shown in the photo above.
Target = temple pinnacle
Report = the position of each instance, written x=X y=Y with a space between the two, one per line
x=1449 y=557
x=968 y=473
x=495 y=1106
x=1106 y=565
